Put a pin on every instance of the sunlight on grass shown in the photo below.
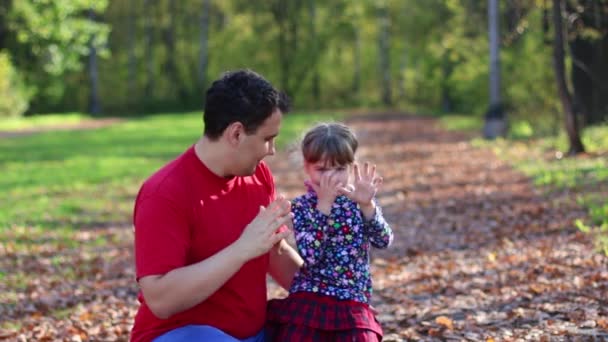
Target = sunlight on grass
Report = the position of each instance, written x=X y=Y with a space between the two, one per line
x=76 y=179
x=461 y=123
x=41 y=121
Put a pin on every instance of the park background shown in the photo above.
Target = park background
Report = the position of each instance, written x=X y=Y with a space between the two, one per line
x=95 y=95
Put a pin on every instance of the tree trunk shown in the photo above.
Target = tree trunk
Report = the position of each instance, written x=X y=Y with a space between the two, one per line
x=203 y=57
x=576 y=145
x=280 y=12
x=94 y=102
x=495 y=118
x=446 y=72
x=384 y=49
x=589 y=71
x=5 y=7
x=132 y=72
x=316 y=87
x=494 y=53
x=357 y=58
x=149 y=49
x=171 y=51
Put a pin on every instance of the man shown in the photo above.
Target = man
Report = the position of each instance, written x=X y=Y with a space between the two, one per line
x=207 y=224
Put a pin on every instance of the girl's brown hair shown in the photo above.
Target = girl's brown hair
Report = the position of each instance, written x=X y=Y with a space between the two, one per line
x=333 y=142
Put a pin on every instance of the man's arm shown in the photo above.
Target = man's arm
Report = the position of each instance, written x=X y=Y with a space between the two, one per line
x=284 y=263
x=184 y=287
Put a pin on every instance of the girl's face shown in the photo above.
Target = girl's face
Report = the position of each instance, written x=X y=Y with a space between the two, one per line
x=316 y=171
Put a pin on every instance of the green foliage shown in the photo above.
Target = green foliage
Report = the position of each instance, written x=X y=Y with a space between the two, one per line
x=13 y=96
x=438 y=54
x=49 y=39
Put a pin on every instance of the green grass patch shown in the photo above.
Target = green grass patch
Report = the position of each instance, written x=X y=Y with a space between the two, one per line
x=65 y=180
x=464 y=123
x=41 y=121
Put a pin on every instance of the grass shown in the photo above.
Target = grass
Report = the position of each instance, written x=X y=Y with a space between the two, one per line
x=41 y=121
x=60 y=181
x=543 y=159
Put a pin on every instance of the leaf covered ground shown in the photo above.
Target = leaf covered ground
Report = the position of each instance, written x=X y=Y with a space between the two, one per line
x=480 y=254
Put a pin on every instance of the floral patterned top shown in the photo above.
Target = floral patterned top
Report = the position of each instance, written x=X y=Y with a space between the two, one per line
x=335 y=248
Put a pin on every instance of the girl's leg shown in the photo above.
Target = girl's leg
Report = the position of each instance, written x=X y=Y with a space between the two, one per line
x=203 y=333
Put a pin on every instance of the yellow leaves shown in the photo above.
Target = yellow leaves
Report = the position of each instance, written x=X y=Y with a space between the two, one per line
x=602 y=323
x=445 y=322
x=492 y=257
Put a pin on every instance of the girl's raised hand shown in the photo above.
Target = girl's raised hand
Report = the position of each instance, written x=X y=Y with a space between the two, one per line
x=365 y=186
x=327 y=191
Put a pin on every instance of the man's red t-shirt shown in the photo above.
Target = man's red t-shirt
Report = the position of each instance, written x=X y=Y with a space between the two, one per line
x=183 y=214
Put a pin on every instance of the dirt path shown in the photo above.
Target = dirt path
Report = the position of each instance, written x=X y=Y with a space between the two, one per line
x=478 y=252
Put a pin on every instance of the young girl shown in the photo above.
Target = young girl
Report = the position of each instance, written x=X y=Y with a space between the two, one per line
x=335 y=223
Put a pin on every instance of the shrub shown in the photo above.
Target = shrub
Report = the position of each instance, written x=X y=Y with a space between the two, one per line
x=13 y=94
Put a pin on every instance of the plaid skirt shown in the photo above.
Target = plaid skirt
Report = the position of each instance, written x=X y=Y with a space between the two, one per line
x=305 y=316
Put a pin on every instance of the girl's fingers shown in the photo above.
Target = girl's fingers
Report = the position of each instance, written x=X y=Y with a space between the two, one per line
x=357 y=173
x=373 y=174
x=377 y=181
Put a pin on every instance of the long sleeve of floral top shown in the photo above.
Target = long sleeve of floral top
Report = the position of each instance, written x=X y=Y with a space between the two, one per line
x=335 y=247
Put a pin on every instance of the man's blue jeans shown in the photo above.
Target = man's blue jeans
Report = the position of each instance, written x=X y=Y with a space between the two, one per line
x=204 y=333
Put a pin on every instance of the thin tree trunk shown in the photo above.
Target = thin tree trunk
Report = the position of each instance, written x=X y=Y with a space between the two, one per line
x=171 y=51
x=149 y=49
x=132 y=72
x=94 y=101
x=576 y=145
x=280 y=12
x=495 y=121
x=494 y=53
x=446 y=71
x=385 y=64
x=357 y=58
x=316 y=83
x=203 y=57
x=5 y=8
x=402 y=71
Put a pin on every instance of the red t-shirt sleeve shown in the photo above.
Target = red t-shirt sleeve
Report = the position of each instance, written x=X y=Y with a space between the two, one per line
x=162 y=236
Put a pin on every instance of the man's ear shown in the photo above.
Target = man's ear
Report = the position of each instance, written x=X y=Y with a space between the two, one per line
x=235 y=132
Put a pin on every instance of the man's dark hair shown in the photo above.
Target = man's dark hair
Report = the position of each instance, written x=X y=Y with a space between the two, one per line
x=240 y=96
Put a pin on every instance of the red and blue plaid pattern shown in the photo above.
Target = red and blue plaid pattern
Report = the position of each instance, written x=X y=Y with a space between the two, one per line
x=305 y=316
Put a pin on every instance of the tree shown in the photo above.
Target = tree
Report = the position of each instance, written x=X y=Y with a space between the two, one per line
x=384 y=51
x=203 y=56
x=47 y=40
x=572 y=126
x=588 y=43
x=94 y=100
x=495 y=124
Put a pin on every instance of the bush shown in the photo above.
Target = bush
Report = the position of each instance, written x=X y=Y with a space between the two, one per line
x=13 y=95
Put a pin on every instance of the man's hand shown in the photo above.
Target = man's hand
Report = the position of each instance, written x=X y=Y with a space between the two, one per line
x=261 y=234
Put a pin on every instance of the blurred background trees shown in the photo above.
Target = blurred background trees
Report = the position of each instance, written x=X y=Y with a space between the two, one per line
x=124 y=57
